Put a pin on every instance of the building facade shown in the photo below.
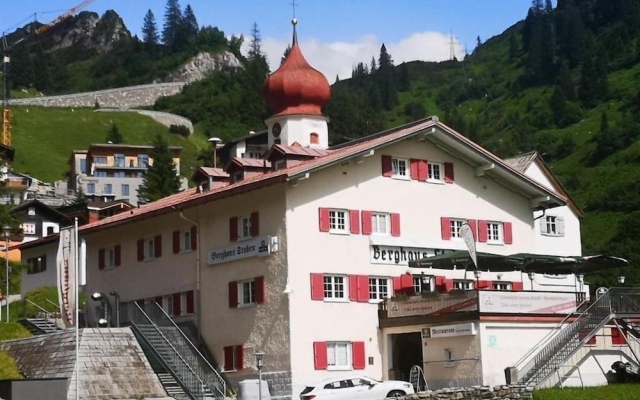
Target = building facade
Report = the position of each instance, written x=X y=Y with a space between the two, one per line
x=294 y=253
x=110 y=172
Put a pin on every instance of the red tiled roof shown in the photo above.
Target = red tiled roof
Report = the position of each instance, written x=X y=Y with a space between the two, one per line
x=217 y=172
x=301 y=151
x=191 y=197
x=251 y=162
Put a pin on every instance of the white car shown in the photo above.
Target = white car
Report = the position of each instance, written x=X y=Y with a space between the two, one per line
x=355 y=387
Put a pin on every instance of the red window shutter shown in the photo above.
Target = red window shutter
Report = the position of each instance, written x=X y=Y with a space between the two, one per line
x=445 y=228
x=482 y=231
x=228 y=358
x=239 y=357
x=508 y=232
x=423 y=170
x=233 y=229
x=194 y=238
x=617 y=338
x=159 y=300
x=592 y=341
x=177 y=309
x=482 y=284
x=255 y=224
x=140 y=303
x=474 y=228
x=117 y=254
x=519 y=286
x=363 y=288
x=353 y=287
x=317 y=287
x=439 y=281
x=158 y=245
x=415 y=172
x=320 y=355
x=448 y=172
x=387 y=168
x=260 y=290
x=395 y=224
x=233 y=294
x=190 y=303
x=397 y=284
x=101 y=259
x=354 y=221
x=323 y=219
x=357 y=349
x=366 y=222
x=140 y=250
x=406 y=281
x=448 y=284
x=176 y=242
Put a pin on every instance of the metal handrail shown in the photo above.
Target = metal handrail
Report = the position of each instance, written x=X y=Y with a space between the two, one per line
x=56 y=305
x=156 y=327
x=562 y=338
x=220 y=385
x=548 y=336
x=46 y=312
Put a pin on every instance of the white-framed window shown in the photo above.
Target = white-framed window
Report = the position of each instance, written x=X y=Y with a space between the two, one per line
x=399 y=168
x=378 y=289
x=110 y=257
x=186 y=241
x=244 y=227
x=461 y=284
x=552 y=225
x=32 y=211
x=435 y=172
x=448 y=358
x=334 y=287
x=501 y=285
x=339 y=356
x=247 y=293
x=422 y=284
x=456 y=224
x=338 y=221
x=149 y=249
x=380 y=224
x=494 y=232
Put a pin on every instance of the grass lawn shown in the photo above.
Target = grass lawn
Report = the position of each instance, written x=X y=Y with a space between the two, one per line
x=610 y=392
x=45 y=137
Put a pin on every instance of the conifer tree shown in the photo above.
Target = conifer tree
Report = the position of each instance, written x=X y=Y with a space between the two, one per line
x=172 y=24
x=160 y=179
x=189 y=26
x=386 y=79
x=285 y=54
x=150 y=30
x=114 y=136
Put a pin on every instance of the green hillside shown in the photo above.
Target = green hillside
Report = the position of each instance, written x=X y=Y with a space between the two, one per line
x=45 y=137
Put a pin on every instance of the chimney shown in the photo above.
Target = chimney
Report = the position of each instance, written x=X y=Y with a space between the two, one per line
x=94 y=216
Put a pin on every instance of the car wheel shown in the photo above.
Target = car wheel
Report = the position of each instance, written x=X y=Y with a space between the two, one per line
x=396 y=393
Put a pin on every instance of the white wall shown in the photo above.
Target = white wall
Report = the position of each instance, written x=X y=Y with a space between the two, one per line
x=570 y=243
x=361 y=187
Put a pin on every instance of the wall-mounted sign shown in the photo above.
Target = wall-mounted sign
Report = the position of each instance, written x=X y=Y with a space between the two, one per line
x=400 y=255
x=261 y=246
x=449 y=330
x=418 y=305
x=527 y=302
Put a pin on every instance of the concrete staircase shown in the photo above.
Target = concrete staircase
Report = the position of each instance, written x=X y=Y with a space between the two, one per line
x=40 y=326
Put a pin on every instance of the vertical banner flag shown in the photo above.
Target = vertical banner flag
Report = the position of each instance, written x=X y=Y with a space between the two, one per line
x=467 y=236
x=66 y=260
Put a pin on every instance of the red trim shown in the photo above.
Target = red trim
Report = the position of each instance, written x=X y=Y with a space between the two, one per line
x=445 y=228
x=423 y=170
x=395 y=224
x=354 y=221
x=323 y=219
x=177 y=307
x=157 y=246
x=233 y=294
x=228 y=358
x=483 y=226
x=448 y=172
x=239 y=357
x=190 y=303
x=260 y=290
x=317 y=287
x=176 y=242
x=101 y=259
x=363 y=288
x=387 y=168
x=518 y=286
x=117 y=255
x=616 y=338
x=357 y=351
x=508 y=232
x=140 y=250
x=474 y=228
x=255 y=224
x=320 y=355
x=367 y=222
x=413 y=166
x=158 y=300
x=233 y=229
x=353 y=287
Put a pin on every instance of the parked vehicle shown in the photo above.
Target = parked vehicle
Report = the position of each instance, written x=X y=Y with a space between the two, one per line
x=355 y=387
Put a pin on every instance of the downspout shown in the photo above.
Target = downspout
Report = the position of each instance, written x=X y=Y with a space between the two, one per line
x=544 y=211
x=198 y=300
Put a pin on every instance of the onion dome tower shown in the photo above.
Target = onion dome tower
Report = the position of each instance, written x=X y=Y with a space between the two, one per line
x=296 y=92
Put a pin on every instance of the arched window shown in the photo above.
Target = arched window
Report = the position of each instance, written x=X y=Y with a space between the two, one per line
x=314 y=138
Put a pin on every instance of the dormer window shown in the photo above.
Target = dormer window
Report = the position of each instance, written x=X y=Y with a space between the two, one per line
x=32 y=211
x=314 y=138
x=238 y=176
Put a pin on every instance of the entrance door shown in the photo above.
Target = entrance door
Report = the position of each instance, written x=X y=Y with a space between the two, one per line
x=407 y=352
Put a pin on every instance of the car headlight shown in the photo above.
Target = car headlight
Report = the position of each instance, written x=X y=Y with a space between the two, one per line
x=408 y=385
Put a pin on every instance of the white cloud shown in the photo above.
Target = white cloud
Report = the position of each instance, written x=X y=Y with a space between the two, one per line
x=339 y=58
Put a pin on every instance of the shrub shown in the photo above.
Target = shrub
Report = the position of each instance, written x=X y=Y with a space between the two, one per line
x=179 y=129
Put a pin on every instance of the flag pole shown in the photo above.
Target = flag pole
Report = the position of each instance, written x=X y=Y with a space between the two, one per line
x=77 y=301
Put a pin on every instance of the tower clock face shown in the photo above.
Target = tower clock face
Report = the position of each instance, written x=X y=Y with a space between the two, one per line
x=276 y=129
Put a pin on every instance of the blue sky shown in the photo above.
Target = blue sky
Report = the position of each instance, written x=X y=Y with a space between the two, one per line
x=334 y=34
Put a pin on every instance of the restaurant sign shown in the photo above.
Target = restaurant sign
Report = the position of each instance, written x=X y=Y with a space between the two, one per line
x=527 y=302
x=400 y=255
x=442 y=331
x=418 y=305
x=261 y=246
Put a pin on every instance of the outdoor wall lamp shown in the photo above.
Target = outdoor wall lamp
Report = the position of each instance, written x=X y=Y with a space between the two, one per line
x=477 y=274
x=531 y=276
x=259 y=365
x=621 y=279
x=104 y=321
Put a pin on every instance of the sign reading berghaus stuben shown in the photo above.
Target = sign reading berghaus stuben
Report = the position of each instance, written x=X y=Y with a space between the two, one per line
x=400 y=255
x=260 y=246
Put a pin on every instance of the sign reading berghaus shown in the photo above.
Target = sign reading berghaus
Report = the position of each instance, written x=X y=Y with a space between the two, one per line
x=400 y=255
x=260 y=246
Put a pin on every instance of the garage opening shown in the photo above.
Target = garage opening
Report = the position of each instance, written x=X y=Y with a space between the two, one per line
x=406 y=351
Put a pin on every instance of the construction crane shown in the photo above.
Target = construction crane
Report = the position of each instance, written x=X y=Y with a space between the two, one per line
x=5 y=139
